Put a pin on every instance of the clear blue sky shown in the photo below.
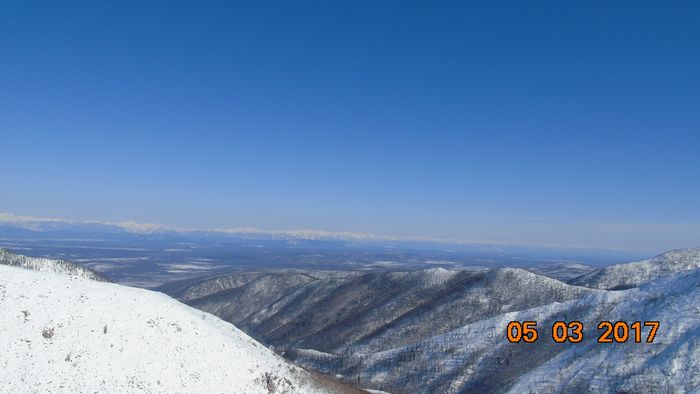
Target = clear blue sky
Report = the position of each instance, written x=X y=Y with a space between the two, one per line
x=540 y=122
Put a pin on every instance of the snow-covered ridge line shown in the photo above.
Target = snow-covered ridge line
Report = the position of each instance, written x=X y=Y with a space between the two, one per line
x=49 y=265
x=377 y=310
x=477 y=358
x=626 y=275
x=74 y=336
x=443 y=331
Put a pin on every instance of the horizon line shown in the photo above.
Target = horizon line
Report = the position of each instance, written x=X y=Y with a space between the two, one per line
x=32 y=223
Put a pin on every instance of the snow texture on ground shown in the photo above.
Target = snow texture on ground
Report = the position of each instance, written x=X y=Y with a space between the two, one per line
x=68 y=334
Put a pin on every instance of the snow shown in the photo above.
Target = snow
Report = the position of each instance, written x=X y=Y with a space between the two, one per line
x=477 y=357
x=48 y=265
x=670 y=364
x=626 y=275
x=68 y=334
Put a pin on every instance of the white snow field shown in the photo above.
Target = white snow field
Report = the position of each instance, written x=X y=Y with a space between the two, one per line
x=67 y=334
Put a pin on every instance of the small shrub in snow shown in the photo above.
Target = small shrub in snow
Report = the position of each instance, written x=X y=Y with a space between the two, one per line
x=47 y=332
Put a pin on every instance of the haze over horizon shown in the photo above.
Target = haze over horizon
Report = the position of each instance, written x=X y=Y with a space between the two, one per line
x=36 y=224
x=547 y=124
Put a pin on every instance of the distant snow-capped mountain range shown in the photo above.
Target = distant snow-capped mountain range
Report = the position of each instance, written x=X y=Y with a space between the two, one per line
x=35 y=224
x=53 y=224
x=474 y=252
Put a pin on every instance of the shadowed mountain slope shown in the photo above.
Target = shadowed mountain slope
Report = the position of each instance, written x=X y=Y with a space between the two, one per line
x=331 y=312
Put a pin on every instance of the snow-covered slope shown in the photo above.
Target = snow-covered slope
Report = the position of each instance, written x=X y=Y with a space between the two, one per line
x=671 y=364
x=67 y=334
x=48 y=265
x=626 y=275
x=478 y=358
x=333 y=312
x=444 y=331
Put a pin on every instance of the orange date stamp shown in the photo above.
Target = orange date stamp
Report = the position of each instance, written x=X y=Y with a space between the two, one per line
x=573 y=331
